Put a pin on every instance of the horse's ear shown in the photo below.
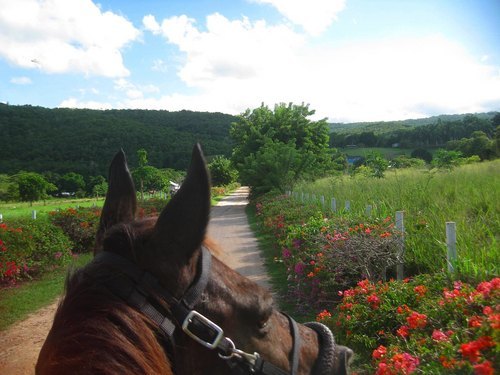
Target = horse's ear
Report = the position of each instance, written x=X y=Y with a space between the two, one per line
x=121 y=201
x=183 y=222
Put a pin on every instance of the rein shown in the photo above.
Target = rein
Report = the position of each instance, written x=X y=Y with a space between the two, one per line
x=133 y=289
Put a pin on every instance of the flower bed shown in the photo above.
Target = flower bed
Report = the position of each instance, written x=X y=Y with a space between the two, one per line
x=80 y=225
x=429 y=324
x=323 y=254
x=28 y=248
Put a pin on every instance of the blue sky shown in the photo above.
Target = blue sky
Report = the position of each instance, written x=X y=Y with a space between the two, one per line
x=352 y=60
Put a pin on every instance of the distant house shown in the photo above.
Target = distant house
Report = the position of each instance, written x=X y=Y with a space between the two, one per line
x=395 y=145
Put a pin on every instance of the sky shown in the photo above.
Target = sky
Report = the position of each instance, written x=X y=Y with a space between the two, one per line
x=349 y=60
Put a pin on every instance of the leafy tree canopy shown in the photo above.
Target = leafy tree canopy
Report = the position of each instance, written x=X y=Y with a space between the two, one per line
x=304 y=144
x=33 y=186
x=222 y=171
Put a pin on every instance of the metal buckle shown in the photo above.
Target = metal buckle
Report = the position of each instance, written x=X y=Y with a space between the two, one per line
x=195 y=315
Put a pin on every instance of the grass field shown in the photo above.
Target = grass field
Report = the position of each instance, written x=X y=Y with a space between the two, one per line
x=468 y=195
x=22 y=299
x=16 y=210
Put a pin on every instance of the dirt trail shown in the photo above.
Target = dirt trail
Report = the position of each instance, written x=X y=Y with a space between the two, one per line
x=20 y=344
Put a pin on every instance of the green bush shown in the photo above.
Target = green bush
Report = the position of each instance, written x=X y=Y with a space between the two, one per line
x=28 y=248
x=80 y=225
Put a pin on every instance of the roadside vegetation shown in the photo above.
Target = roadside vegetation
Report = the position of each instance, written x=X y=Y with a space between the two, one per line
x=340 y=266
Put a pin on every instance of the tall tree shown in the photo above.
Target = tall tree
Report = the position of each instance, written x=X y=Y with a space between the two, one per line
x=33 y=186
x=257 y=131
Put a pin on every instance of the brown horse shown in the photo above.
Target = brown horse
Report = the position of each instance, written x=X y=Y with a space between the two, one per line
x=155 y=301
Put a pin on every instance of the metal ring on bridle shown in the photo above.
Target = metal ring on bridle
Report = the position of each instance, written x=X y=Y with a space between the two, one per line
x=250 y=358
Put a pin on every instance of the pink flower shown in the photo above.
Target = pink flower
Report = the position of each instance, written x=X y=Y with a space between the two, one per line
x=438 y=335
x=299 y=268
x=286 y=253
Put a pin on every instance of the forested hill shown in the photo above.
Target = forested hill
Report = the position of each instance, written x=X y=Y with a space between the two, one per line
x=84 y=141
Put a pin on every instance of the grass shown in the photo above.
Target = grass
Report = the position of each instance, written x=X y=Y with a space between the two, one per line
x=468 y=195
x=16 y=210
x=17 y=302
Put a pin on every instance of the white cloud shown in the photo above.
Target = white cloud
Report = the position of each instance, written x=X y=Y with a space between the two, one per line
x=21 y=80
x=75 y=103
x=60 y=36
x=234 y=65
x=133 y=91
x=229 y=50
x=315 y=16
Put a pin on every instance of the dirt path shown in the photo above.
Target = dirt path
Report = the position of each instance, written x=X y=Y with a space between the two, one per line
x=20 y=344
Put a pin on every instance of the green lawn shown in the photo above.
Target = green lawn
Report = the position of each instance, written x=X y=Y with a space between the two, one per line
x=17 y=302
x=17 y=210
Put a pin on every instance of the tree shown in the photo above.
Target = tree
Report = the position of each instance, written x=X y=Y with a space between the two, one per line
x=71 y=182
x=275 y=166
x=288 y=126
x=222 y=171
x=377 y=164
x=447 y=159
x=146 y=176
x=33 y=186
x=97 y=186
x=423 y=154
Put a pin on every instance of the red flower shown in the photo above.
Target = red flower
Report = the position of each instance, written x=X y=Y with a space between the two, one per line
x=494 y=320
x=403 y=309
x=475 y=321
x=323 y=315
x=448 y=362
x=472 y=350
x=420 y=290
x=487 y=310
x=374 y=301
x=484 y=368
x=380 y=352
x=417 y=320
x=403 y=331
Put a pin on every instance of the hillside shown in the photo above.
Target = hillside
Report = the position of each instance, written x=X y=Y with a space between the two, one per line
x=84 y=141
x=379 y=127
x=427 y=133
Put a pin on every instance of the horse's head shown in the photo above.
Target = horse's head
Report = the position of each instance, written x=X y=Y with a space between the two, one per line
x=182 y=277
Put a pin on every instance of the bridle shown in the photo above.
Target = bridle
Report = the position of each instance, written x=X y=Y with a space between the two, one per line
x=134 y=286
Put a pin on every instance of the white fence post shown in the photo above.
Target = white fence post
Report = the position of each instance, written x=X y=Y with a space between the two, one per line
x=1 y=218
x=400 y=226
x=322 y=199
x=347 y=205
x=33 y=214
x=334 y=205
x=368 y=210
x=451 y=244
x=302 y=197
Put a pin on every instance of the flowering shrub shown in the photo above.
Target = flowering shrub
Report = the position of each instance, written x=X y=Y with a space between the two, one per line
x=429 y=324
x=151 y=207
x=30 y=247
x=80 y=225
x=325 y=254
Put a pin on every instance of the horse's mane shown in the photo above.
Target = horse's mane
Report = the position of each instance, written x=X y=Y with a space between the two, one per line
x=99 y=333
